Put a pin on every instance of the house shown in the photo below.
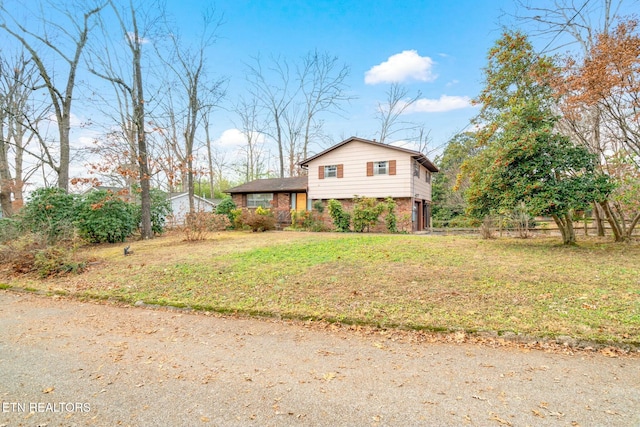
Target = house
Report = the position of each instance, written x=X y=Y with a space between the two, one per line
x=353 y=167
x=180 y=206
x=280 y=194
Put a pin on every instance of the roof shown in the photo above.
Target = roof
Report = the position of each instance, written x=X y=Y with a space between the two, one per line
x=420 y=157
x=272 y=185
x=195 y=196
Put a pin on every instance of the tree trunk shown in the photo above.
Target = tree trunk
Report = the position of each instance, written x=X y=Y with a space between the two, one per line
x=598 y=219
x=618 y=234
x=565 y=225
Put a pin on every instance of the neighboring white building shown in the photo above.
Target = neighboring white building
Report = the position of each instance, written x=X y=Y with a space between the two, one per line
x=180 y=207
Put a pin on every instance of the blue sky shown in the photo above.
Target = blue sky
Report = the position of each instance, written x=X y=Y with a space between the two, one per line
x=435 y=47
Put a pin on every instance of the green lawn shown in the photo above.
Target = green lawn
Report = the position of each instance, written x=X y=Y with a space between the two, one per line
x=535 y=287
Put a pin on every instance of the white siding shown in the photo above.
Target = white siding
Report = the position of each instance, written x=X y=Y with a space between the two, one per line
x=354 y=156
x=421 y=186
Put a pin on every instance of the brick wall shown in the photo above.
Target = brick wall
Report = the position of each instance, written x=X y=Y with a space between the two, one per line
x=404 y=211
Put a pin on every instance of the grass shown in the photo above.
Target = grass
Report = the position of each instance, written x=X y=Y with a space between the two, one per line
x=442 y=283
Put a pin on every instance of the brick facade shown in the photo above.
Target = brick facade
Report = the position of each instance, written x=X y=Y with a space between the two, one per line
x=404 y=212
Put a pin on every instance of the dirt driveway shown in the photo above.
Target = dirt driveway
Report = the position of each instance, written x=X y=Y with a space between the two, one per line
x=68 y=363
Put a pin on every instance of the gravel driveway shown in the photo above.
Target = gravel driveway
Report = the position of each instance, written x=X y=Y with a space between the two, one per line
x=70 y=363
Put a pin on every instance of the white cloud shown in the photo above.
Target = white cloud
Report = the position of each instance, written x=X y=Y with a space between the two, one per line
x=443 y=104
x=235 y=137
x=401 y=67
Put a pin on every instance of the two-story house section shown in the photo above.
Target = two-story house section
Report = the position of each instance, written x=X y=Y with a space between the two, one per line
x=367 y=168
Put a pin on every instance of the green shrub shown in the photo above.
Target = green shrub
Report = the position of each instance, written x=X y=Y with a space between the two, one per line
x=160 y=209
x=366 y=212
x=391 y=221
x=105 y=217
x=227 y=207
x=307 y=220
x=341 y=218
x=51 y=212
x=10 y=229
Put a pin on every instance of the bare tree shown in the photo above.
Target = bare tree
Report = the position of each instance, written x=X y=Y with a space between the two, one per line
x=388 y=113
x=252 y=165
x=322 y=82
x=19 y=118
x=131 y=83
x=55 y=37
x=274 y=98
x=295 y=102
x=198 y=94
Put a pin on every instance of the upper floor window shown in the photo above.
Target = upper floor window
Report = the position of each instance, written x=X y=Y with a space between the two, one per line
x=331 y=171
x=416 y=169
x=428 y=178
x=380 y=168
x=259 y=199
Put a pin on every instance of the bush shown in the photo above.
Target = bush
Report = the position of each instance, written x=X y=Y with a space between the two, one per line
x=160 y=209
x=30 y=253
x=227 y=207
x=198 y=225
x=10 y=229
x=307 y=220
x=56 y=260
x=104 y=217
x=259 y=219
x=391 y=221
x=51 y=212
x=341 y=218
x=366 y=213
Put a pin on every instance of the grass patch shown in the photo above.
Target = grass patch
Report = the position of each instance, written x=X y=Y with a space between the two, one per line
x=535 y=287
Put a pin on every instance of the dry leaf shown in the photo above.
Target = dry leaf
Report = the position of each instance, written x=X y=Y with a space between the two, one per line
x=48 y=390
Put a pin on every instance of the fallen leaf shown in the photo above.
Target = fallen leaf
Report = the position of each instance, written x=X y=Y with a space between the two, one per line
x=537 y=413
x=48 y=390
x=204 y=419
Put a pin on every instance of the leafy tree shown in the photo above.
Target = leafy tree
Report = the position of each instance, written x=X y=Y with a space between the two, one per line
x=607 y=80
x=523 y=159
x=105 y=217
x=448 y=194
x=50 y=211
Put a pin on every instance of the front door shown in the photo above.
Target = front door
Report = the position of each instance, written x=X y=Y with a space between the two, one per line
x=301 y=202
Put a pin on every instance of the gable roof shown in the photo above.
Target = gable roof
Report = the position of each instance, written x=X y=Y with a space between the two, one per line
x=421 y=158
x=272 y=185
x=176 y=196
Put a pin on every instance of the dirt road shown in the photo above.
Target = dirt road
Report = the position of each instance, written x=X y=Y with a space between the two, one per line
x=69 y=363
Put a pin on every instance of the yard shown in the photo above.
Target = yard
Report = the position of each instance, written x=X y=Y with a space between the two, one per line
x=534 y=287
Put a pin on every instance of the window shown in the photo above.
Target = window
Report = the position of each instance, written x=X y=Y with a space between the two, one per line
x=331 y=171
x=416 y=168
x=259 y=199
x=428 y=178
x=380 y=168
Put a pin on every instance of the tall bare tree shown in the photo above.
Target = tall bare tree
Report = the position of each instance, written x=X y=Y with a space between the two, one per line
x=252 y=164
x=389 y=112
x=275 y=98
x=322 y=82
x=20 y=115
x=295 y=96
x=53 y=41
x=197 y=93
x=132 y=83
